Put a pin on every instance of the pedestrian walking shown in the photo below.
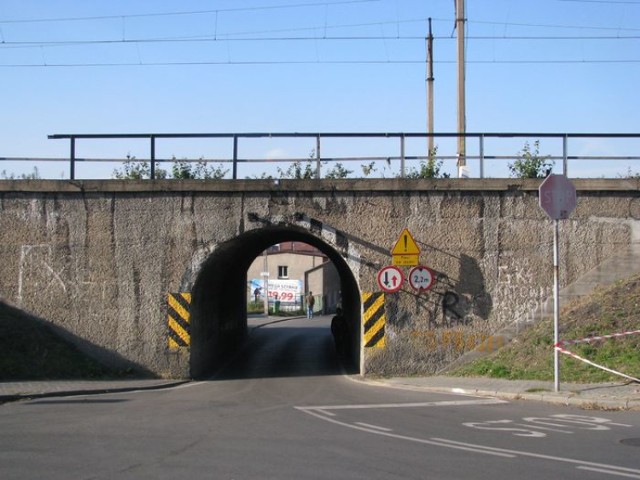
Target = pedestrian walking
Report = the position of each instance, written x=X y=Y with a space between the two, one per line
x=310 y=302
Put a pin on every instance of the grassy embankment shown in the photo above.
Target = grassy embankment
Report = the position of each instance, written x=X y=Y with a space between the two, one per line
x=530 y=356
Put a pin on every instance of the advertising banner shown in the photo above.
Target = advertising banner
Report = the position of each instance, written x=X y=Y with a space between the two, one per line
x=287 y=291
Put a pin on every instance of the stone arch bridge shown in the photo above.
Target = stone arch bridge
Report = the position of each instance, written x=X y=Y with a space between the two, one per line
x=97 y=259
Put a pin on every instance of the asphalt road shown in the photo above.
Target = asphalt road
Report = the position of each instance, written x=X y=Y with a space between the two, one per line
x=283 y=410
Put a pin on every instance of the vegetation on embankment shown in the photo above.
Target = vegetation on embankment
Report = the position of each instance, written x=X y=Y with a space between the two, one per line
x=530 y=355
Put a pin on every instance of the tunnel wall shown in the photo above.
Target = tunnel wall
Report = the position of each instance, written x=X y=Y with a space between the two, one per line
x=97 y=258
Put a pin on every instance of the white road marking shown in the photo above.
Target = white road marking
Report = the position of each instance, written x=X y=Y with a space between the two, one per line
x=589 y=419
x=324 y=412
x=377 y=427
x=352 y=426
x=537 y=427
x=565 y=421
x=609 y=472
x=611 y=469
x=321 y=413
x=584 y=425
x=445 y=403
x=187 y=385
x=504 y=426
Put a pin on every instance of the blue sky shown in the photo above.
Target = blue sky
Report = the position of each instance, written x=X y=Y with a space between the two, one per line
x=154 y=66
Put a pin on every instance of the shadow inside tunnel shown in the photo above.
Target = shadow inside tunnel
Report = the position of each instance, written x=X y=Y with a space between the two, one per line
x=279 y=349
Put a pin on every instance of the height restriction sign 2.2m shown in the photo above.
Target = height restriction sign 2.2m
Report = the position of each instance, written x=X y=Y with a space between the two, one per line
x=421 y=278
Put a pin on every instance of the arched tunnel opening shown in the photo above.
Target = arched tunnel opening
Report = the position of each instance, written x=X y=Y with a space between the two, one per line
x=219 y=297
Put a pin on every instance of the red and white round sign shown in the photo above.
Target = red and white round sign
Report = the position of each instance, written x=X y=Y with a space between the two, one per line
x=421 y=278
x=390 y=279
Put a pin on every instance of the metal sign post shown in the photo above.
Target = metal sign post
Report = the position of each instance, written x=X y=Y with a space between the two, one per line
x=556 y=304
x=557 y=197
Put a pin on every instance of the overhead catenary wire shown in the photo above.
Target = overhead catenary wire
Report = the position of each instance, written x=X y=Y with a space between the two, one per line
x=187 y=12
x=228 y=37
x=326 y=26
x=313 y=62
x=222 y=39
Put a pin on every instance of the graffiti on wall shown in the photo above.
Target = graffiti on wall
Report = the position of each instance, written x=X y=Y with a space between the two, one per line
x=460 y=301
x=525 y=297
x=515 y=298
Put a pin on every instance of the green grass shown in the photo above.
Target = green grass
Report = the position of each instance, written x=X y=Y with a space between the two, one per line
x=530 y=355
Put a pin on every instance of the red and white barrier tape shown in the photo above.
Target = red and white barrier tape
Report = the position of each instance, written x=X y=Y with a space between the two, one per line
x=559 y=346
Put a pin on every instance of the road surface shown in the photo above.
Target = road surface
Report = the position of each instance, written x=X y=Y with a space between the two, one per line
x=283 y=410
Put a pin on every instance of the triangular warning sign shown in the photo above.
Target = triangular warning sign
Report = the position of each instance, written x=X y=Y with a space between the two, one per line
x=405 y=245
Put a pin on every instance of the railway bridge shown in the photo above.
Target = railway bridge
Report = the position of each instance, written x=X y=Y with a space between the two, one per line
x=98 y=258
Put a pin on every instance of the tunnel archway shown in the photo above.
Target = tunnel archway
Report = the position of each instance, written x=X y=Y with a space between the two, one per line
x=219 y=306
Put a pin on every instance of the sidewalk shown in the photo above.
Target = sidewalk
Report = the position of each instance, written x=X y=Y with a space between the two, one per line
x=616 y=396
x=605 y=396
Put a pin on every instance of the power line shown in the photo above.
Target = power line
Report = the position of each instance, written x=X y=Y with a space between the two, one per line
x=206 y=39
x=551 y=25
x=314 y=62
x=325 y=27
x=243 y=37
x=194 y=12
x=222 y=39
x=62 y=43
x=197 y=40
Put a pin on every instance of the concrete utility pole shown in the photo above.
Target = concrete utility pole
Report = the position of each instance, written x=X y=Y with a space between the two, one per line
x=462 y=127
x=430 y=91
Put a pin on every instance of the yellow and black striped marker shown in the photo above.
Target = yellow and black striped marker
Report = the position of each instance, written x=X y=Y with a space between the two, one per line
x=374 y=319
x=179 y=318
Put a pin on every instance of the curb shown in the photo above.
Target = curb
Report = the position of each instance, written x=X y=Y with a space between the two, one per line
x=566 y=399
x=94 y=391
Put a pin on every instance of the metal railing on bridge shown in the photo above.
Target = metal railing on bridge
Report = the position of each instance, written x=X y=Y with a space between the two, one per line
x=328 y=155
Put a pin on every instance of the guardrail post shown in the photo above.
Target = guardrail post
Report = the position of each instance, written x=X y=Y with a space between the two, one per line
x=481 y=146
x=153 y=157
x=72 y=159
x=235 y=157
x=402 y=172
x=318 y=157
x=565 y=161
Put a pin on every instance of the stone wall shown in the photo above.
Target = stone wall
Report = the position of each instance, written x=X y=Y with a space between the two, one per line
x=97 y=258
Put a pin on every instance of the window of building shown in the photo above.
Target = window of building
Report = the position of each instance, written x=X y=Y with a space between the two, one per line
x=283 y=271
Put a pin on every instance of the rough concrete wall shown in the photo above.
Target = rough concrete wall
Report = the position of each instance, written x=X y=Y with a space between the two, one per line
x=493 y=256
x=491 y=249
x=99 y=260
